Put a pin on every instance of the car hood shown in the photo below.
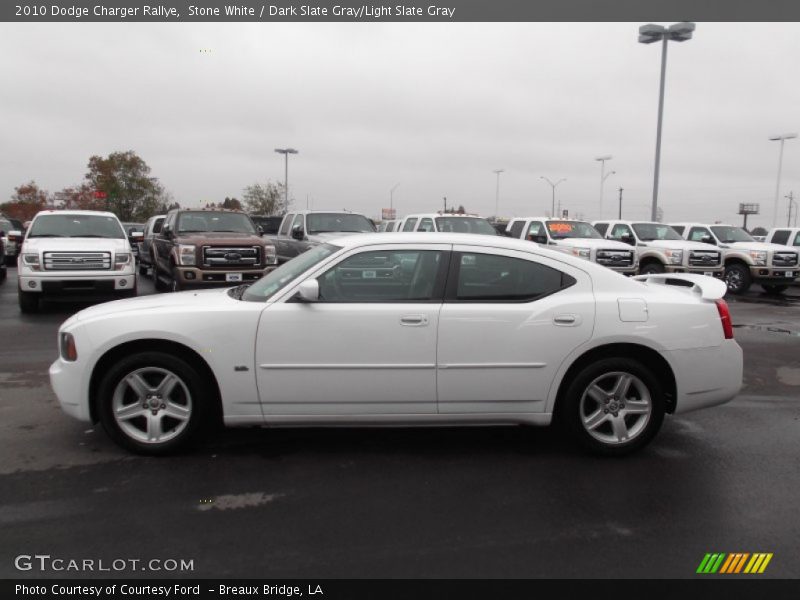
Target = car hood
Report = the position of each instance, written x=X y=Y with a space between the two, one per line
x=219 y=237
x=759 y=246
x=680 y=245
x=75 y=245
x=183 y=301
x=593 y=243
x=333 y=235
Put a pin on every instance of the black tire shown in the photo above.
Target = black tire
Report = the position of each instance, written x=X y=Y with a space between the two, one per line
x=773 y=288
x=603 y=425
x=11 y=261
x=175 y=282
x=3 y=273
x=157 y=281
x=652 y=268
x=737 y=278
x=142 y=268
x=189 y=398
x=28 y=301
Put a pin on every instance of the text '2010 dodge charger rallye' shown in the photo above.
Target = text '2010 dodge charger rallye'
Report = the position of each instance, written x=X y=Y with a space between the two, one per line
x=483 y=329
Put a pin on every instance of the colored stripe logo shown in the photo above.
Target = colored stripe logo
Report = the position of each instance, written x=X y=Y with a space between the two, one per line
x=734 y=563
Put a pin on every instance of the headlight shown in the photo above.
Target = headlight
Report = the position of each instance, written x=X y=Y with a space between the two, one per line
x=582 y=252
x=759 y=257
x=67 y=347
x=121 y=259
x=186 y=254
x=675 y=256
x=270 y=258
x=32 y=261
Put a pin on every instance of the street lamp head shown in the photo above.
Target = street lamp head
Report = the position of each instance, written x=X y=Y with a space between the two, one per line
x=286 y=151
x=680 y=32
x=651 y=33
x=609 y=157
x=784 y=136
x=498 y=171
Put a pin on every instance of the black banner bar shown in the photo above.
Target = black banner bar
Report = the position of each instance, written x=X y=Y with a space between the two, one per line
x=160 y=11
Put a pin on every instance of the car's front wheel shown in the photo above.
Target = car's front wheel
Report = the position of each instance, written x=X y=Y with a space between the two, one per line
x=737 y=278
x=152 y=402
x=652 y=268
x=614 y=406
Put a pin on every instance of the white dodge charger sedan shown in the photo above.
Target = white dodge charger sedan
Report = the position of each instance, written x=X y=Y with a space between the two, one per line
x=403 y=330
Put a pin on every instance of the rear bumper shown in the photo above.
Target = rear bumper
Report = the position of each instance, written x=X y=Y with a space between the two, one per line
x=707 y=376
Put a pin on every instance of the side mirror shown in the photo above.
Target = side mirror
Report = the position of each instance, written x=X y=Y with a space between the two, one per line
x=628 y=239
x=707 y=239
x=15 y=234
x=297 y=232
x=309 y=290
x=166 y=231
x=260 y=230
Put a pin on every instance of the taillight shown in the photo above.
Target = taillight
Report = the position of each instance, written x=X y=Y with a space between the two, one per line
x=725 y=317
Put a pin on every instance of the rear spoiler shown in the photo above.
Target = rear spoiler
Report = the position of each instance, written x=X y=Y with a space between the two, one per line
x=706 y=287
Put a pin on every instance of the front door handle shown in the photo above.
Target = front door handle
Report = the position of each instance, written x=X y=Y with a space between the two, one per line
x=414 y=320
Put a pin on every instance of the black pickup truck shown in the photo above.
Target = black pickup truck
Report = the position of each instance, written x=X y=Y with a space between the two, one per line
x=300 y=230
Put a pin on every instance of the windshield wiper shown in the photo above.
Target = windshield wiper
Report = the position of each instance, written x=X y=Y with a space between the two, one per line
x=46 y=235
x=230 y=231
x=92 y=235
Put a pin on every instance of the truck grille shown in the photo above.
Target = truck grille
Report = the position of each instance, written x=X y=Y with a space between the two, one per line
x=784 y=259
x=77 y=261
x=615 y=258
x=704 y=258
x=245 y=256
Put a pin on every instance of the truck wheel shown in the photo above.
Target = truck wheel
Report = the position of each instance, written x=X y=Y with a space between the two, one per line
x=652 y=268
x=737 y=278
x=613 y=407
x=3 y=273
x=771 y=288
x=28 y=301
x=175 y=282
x=152 y=402
x=142 y=268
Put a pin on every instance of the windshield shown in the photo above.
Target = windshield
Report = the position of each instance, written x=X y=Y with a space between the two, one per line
x=571 y=229
x=727 y=234
x=271 y=283
x=220 y=222
x=76 y=226
x=465 y=225
x=647 y=232
x=325 y=222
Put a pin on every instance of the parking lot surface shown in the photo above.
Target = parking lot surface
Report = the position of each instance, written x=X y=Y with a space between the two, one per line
x=433 y=502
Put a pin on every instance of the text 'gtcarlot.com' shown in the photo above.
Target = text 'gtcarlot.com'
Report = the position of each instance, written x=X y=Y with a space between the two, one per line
x=45 y=562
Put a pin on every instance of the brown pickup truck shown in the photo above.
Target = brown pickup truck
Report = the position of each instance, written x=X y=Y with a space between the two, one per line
x=204 y=248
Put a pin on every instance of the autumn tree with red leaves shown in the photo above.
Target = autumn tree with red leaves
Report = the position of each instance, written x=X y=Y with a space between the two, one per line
x=28 y=199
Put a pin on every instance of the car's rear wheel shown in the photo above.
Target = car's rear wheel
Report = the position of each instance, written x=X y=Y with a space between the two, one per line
x=152 y=402
x=772 y=288
x=142 y=268
x=652 y=268
x=3 y=273
x=737 y=278
x=613 y=407
x=28 y=301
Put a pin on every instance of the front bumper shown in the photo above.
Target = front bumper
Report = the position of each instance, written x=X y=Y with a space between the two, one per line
x=773 y=275
x=192 y=276
x=77 y=284
x=718 y=272
x=66 y=381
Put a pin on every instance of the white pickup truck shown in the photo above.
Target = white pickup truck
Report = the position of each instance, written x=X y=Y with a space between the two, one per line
x=74 y=252
x=577 y=238
x=747 y=261
x=660 y=249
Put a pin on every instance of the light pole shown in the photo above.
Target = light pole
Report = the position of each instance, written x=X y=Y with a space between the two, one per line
x=286 y=152
x=620 y=203
x=553 y=185
x=602 y=160
x=782 y=138
x=790 y=198
x=391 y=200
x=679 y=32
x=497 y=192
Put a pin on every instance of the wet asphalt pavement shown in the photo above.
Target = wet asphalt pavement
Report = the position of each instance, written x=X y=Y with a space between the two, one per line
x=438 y=502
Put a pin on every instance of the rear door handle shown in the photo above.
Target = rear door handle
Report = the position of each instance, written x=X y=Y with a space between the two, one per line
x=567 y=320
x=414 y=320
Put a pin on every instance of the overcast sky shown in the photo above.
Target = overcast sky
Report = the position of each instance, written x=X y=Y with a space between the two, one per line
x=434 y=107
